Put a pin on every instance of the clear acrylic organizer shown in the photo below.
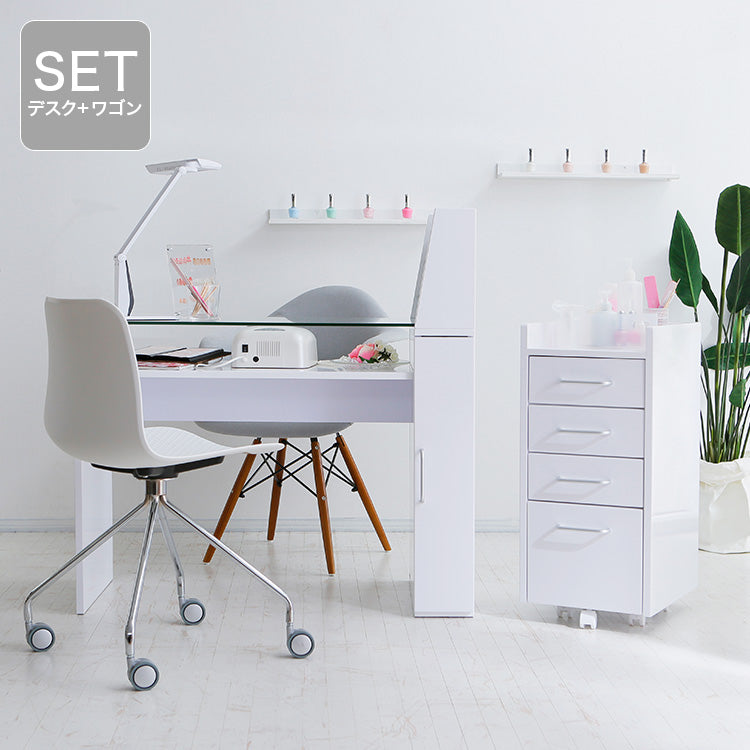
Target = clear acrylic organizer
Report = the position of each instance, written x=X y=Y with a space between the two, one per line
x=195 y=289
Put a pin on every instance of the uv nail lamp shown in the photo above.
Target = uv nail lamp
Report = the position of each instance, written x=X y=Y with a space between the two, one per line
x=286 y=347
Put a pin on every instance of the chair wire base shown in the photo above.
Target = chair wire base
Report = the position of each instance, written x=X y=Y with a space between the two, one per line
x=142 y=673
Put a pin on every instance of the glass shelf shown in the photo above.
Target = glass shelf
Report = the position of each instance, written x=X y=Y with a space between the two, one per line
x=582 y=172
x=346 y=216
x=259 y=321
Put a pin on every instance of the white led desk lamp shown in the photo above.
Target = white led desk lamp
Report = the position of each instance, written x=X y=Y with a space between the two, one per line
x=175 y=169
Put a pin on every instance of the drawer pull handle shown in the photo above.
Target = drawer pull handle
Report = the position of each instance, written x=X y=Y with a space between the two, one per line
x=421 y=475
x=602 y=482
x=586 y=382
x=566 y=527
x=584 y=432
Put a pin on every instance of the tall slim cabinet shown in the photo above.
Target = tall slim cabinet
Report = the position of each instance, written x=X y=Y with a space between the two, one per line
x=444 y=406
x=609 y=473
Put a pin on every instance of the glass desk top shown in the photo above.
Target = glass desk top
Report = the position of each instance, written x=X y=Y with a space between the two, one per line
x=259 y=321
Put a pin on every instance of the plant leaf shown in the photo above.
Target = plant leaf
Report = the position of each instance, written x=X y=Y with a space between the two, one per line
x=728 y=353
x=710 y=295
x=684 y=263
x=733 y=219
x=738 y=288
x=737 y=396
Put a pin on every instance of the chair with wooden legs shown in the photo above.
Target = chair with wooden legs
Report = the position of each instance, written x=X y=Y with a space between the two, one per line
x=324 y=305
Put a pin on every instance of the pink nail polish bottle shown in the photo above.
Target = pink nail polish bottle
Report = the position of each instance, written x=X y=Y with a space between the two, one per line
x=406 y=211
x=606 y=166
x=568 y=164
x=367 y=211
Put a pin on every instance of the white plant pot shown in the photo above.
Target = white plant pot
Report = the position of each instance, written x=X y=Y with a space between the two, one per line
x=724 y=523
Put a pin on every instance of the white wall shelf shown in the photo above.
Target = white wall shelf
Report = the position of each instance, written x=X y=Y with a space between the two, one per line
x=345 y=216
x=582 y=172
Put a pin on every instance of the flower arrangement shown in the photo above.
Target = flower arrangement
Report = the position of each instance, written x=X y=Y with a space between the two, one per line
x=372 y=353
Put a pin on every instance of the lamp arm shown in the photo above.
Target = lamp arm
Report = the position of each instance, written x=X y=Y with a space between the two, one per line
x=123 y=289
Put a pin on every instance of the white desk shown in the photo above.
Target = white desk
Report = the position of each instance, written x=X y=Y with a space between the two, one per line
x=437 y=397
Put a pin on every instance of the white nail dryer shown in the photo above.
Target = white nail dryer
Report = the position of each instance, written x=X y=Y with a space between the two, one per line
x=287 y=347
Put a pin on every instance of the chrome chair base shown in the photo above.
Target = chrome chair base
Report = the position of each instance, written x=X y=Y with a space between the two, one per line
x=142 y=673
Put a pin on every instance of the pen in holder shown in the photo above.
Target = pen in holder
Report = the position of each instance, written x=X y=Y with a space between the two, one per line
x=195 y=290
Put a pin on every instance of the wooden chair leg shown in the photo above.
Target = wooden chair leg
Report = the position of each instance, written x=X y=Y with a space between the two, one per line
x=320 y=489
x=278 y=478
x=362 y=490
x=234 y=496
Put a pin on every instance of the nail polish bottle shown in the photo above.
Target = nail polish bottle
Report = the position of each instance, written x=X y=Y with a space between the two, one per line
x=643 y=166
x=606 y=166
x=568 y=164
x=368 y=212
x=406 y=211
x=293 y=210
x=530 y=165
x=330 y=211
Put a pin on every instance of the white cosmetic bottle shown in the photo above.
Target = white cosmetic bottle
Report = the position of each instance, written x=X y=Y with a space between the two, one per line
x=603 y=323
x=629 y=310
x=630 y=293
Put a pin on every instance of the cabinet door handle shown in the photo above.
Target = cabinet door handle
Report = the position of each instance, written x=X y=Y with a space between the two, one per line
x=566 y=527
x=586 y=382
x=584 y=432
x=602 y=482
x=421 y=475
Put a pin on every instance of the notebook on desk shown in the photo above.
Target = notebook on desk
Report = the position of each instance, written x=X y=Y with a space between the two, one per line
x=178 y=355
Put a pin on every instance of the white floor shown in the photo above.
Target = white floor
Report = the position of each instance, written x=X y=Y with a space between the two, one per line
x=513 y=676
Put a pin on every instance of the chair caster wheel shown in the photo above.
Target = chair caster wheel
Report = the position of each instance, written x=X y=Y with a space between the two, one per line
x=300 y=644
x=587 y=619
x=40 y=637
x=143 y=674
x=192 y=611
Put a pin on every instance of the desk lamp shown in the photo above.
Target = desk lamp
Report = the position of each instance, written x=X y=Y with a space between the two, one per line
x=175 y=169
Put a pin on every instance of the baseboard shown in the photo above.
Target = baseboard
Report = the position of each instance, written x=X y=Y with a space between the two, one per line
x=394 y=525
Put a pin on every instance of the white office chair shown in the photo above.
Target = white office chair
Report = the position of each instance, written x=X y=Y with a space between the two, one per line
x=331 y=305
x=94 y=413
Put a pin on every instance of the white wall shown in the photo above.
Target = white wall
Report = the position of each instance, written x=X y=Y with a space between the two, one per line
x=386 y=98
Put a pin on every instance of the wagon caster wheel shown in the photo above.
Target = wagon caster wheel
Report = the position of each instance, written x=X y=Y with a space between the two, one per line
x=143 y=674
x=300 y=644
x=563 y=613
x=40 y=637
x=639 y=620
x=192 y=611
x=587 y=619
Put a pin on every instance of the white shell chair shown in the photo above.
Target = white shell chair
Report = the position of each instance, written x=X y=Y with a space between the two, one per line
x=333 y=305
x=94 y=413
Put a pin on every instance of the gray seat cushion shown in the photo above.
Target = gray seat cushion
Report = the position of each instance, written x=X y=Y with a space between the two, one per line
x=275 y=429
x=327 y=304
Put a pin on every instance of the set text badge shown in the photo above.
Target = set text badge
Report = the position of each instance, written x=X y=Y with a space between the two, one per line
x=85 y=85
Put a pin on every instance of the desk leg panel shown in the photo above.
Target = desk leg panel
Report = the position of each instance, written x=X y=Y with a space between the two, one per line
x=444 y=480
x=93 y=516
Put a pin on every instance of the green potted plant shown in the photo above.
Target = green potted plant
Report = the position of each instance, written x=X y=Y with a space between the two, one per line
x=725 y=418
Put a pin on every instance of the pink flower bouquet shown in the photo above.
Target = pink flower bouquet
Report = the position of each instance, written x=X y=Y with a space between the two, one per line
x=371 y=353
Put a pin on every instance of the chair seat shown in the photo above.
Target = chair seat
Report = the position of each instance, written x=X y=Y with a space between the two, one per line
x=275 y=429
x=180 y=446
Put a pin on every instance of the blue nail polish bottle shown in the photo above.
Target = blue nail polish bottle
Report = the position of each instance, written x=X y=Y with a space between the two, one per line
x=293 y=210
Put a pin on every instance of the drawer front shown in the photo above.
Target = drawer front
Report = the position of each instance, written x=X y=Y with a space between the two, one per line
x=586 y=430
x=586 y=479
x=587 y=381
x=585 y=556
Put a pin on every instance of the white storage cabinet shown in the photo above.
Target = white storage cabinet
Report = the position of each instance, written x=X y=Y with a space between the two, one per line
x=609 y=473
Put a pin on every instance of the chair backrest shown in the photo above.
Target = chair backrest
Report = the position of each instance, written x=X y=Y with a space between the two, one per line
x=334 y=304
x=93 y=410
